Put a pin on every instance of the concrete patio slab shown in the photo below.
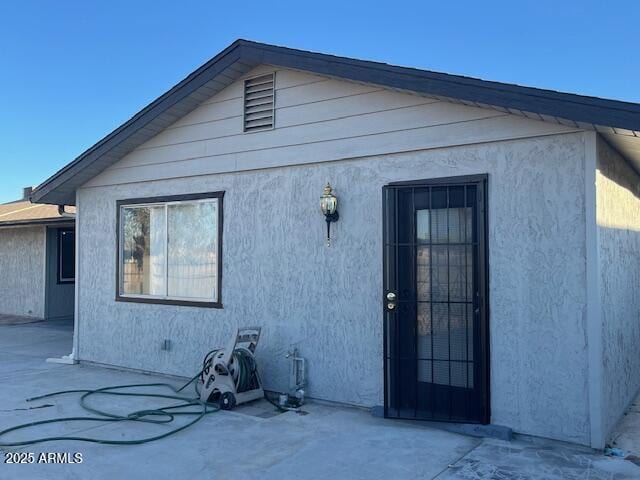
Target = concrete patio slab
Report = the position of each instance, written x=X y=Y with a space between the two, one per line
x=253 y=441
x=532 y=458
x=626 y=436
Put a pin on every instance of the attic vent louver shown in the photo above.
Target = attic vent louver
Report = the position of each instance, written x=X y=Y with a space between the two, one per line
x=259 y=103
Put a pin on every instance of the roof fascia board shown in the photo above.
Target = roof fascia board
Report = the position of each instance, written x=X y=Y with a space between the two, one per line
x=194 y=81
x=445 y=77
x=551 y=104
x=565 y=105
x=27 y=223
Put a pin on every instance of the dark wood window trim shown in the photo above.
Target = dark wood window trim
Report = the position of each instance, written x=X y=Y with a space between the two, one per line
x=59 y=233
x=166 y=199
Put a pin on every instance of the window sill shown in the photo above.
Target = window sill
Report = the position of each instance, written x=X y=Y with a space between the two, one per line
x=163 y=301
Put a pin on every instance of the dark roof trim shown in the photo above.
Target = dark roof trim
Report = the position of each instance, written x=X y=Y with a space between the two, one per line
x=580 y=108
x=242 y=55
x=36 y=221
x=140 y=119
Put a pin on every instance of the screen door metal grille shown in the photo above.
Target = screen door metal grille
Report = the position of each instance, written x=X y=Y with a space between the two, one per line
x=436 y=333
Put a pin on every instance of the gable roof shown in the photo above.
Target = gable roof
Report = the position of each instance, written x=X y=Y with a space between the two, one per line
x=618 y=121
x=23 y=212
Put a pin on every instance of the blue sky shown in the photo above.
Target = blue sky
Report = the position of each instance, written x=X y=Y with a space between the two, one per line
x=72 y=71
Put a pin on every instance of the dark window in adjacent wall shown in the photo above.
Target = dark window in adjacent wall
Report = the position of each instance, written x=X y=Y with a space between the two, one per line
x=170 y=250
x=66 y=255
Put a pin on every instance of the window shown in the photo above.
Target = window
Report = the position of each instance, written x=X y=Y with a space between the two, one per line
x=169 y=250
x=66 y=255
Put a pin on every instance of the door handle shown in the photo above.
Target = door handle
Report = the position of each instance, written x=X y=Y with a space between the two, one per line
x=391 y=300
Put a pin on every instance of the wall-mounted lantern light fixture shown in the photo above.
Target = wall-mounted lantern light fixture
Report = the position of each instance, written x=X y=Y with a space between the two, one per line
x=329 y=207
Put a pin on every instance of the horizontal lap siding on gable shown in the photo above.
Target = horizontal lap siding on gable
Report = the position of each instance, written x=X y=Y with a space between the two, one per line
x=317 y=119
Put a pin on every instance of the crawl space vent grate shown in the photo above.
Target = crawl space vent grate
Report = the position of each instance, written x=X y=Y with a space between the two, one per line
x=259 y=101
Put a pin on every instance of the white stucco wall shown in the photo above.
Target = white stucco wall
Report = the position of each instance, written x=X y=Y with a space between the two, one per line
x=618 y=219
x=22 y=253
x=277 y=273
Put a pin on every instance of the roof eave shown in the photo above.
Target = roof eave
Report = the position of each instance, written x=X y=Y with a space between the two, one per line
x=585 y=112
x=37 y=222
x=43 y=192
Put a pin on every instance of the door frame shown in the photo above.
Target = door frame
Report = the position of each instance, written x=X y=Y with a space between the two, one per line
x=482 y=183
x=52 y=269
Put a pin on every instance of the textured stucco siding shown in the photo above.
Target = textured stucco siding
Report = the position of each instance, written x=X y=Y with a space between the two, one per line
x=278 y=274
x=618 y=218
x=22 y=271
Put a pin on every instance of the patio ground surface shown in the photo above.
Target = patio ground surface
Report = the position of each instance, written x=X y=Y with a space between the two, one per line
x=253 y=441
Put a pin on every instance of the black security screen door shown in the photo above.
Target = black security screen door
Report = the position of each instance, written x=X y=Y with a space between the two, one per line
x=435 y=315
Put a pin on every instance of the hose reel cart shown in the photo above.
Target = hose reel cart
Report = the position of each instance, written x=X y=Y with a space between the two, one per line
x=230 y=376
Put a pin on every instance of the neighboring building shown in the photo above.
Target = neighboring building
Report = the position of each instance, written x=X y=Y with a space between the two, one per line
x=484 y=267
x=37 y=259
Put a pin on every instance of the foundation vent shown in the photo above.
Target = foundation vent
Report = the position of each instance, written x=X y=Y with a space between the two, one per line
x=259 y=103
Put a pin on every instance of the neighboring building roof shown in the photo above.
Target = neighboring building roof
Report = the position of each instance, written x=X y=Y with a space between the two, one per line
x=618 y=122
x=23 y=212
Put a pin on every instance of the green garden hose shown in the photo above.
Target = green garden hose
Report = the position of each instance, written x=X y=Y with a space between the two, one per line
x=246 y=380
x=246 y=370
x=161 y=415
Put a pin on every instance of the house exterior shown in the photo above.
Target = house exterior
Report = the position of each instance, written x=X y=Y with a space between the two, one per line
x=483 y=269
x=37 y=245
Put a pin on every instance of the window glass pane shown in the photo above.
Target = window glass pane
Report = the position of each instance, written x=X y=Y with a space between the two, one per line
x=193 y=250
x=422 y=225
x=67 y=251
x=143 y=246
